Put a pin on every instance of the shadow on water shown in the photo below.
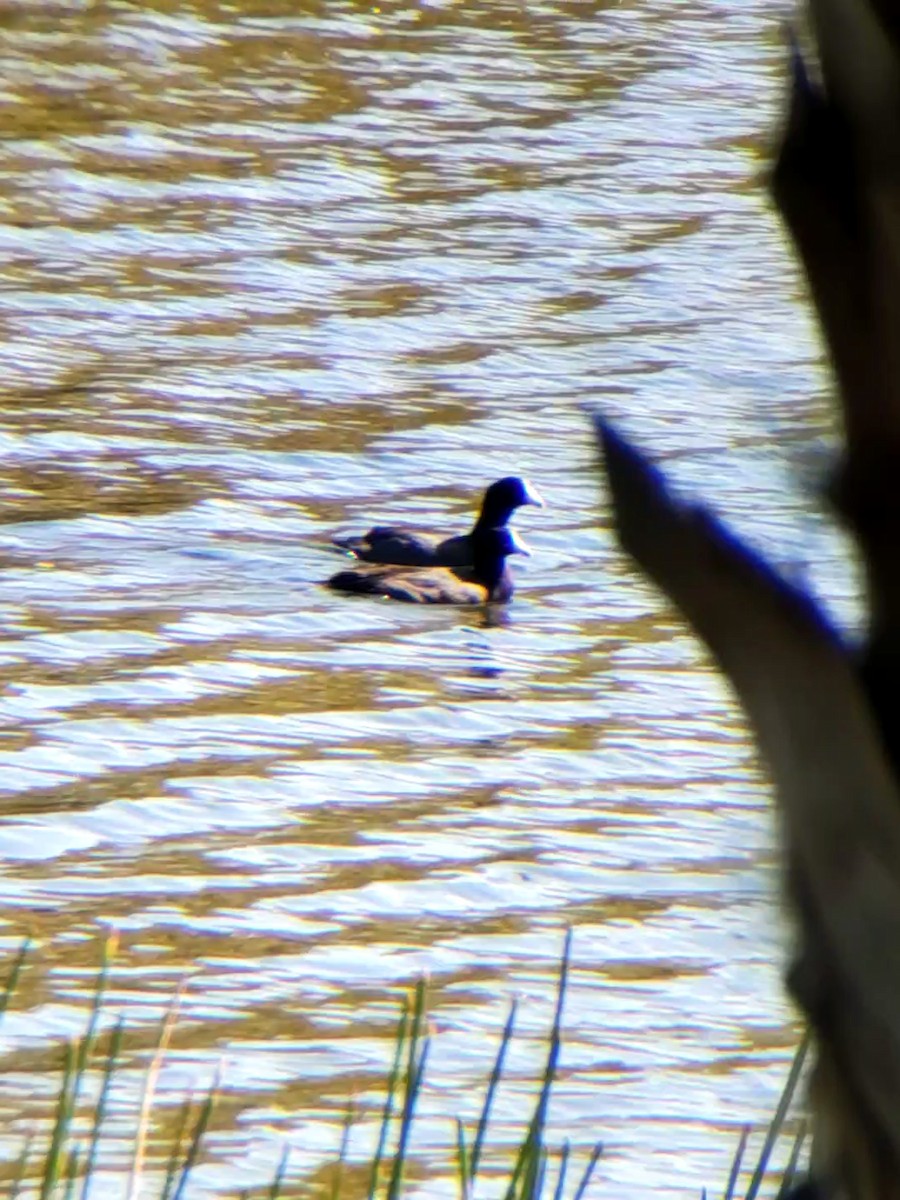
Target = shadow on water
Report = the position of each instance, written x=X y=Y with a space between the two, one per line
x=276 y=272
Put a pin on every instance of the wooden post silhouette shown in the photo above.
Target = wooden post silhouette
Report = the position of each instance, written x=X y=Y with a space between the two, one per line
x=826 y=717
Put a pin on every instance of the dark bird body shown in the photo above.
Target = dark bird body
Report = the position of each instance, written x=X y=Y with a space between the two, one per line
x=488 y=580
x=403 y=546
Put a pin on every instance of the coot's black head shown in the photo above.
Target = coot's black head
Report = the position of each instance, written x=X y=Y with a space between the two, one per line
x=490 y=550
x=504 y=497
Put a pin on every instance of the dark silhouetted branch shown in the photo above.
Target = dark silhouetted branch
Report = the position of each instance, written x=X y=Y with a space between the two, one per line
x=827 y=719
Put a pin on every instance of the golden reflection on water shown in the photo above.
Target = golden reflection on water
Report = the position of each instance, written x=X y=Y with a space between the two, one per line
x=279 y=269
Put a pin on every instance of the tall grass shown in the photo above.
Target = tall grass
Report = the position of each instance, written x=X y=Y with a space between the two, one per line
x=63 y=1163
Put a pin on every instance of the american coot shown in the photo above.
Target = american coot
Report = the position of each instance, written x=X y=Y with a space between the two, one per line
x=488 y=579
x=407 y=547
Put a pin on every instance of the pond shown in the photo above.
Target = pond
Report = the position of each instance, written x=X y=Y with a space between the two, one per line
x=277 y=270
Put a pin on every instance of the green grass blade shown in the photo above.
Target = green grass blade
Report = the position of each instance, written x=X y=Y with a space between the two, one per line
x=406 y=1120
x=61 y=1123
x=790 y=1171
x=71 y=1174
x=21 y=1168
x=173 y=1166
x=13 y=978
x=493 y=1083
x=588 y=1175
x=79 y=1070
x=559 y=1190
x=777 y=1121
x=112 y=1057
x=462 y=1166
x=529 y=1155
x=417 y=1057
x=537 y=1184
x=518 y=1168
x=281 y=1172
x=337 y=1178
x=163 y=1037
x=84 y=1047
x=736 y=1164
x=526 y=1168
x=90 y=1037
x=388 y=1110
x=200 y=1128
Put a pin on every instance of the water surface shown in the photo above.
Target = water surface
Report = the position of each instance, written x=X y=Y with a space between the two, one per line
x=275 y=270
